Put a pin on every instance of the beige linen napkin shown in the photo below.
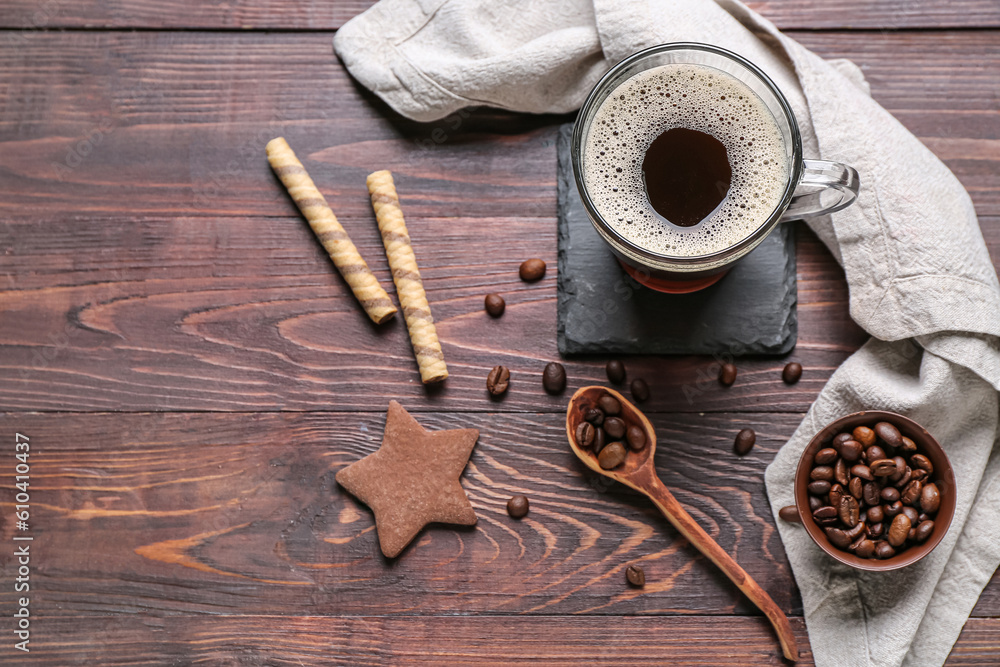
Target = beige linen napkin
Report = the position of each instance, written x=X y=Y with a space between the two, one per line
x=921 y=281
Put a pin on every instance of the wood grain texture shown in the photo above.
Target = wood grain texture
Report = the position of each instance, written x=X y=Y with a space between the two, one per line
x=249 y=314
x=275 y=641
x=329 y=15
x=84 y=111
x=181 y=513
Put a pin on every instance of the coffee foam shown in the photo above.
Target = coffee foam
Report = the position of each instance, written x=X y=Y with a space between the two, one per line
x=700 y=98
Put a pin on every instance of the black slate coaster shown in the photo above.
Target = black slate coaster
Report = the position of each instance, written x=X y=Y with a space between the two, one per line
x=603 y=310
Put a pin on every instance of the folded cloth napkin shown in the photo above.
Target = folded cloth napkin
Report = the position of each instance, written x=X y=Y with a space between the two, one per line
x=921 y=281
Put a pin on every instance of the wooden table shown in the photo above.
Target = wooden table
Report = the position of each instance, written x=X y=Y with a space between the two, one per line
x=191 y=372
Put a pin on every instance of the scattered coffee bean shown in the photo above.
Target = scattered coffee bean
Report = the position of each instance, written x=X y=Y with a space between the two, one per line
x=745 y=441
x=825 y=457
x=792 y=372
x=517 y=506
x=495 y=305
x=609 y=404
x=594 y=415
x=612 y=456
x=554 y=377
x=585 y=434
x=872 y=492
x=635 y=576
x=532 y=270
x=640 y=390
x=616 y=371
x=865 y=436
x=889 y=434
x=727 y=375
x=635 y=437
x=790 y=514
x=498 y=380
x=614 y=427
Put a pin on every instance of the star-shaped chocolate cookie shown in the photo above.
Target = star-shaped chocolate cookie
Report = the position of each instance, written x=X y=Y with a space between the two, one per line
x=412 y=480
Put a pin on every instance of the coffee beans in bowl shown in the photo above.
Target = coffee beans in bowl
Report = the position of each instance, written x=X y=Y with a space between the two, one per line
x=875 y=490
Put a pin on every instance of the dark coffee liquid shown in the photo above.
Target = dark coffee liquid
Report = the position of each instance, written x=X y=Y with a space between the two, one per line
x=686 y=174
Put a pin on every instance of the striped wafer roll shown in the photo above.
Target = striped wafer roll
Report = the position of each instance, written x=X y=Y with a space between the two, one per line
x=409 y=287
x=333 y=237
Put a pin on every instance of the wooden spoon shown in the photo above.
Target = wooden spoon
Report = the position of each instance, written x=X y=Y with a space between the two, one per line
x=639 y=473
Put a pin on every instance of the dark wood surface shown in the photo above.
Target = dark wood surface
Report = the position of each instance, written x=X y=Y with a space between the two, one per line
x=192 y=372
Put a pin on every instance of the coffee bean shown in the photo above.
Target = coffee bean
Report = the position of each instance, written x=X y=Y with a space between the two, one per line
x=922 y=462
x=919 y=474
x=930 y=498
x=554 y=377
x=911 y=536
x=899 y=529
x=744 y=442
x=815 y=503
x=840 y=472
x=874 y=453
x=600 y=439
x=884 y=550
x=820 y=472
x=640 y=390
x=790 y=513
x=882 y=467
x=825 y=456
x=594 y=415
x=498 y=380
x=875 y=530
x=635 y=437
x=635 y=576
x=864 y=435
x=612 y=456
x=727 y=375
x=792 y=372
x=911 y=494
x=862 y=471
x=517 y=506
x=850 y=450
x=890 y=494
x=924 y=530
x=904 y=478
x=889 y=434
x=907 y=446
x=922 y=517
x=494 y=304
x=893 y=509
x=614 y=427
x=900 y=470
x=858 y=531
x=912 y=514
x=616 y=371
x=825 y=512
x=532 y=270
x=876 y=514
x=836 y=493
x=609 y=404
x=819 y=488
x=837 y=537
x=865 y=549
x=585 y=434
x=871 y=493
x=855 y=487
x=840 y=438
x=848 y=511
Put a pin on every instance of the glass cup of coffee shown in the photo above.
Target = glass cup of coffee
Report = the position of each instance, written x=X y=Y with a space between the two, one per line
x=687 y=156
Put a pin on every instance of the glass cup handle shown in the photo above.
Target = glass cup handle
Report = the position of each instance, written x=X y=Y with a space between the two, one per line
x=825 y=187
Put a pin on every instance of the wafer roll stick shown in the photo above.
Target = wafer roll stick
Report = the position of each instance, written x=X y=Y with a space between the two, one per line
x=333 y=237
x=409 y=287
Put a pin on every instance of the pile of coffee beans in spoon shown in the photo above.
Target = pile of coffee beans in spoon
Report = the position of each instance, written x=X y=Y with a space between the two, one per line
x=608 y=435
x=873 y=493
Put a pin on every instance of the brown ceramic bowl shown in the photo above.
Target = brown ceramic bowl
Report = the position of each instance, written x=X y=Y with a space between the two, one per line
x=943 y=476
